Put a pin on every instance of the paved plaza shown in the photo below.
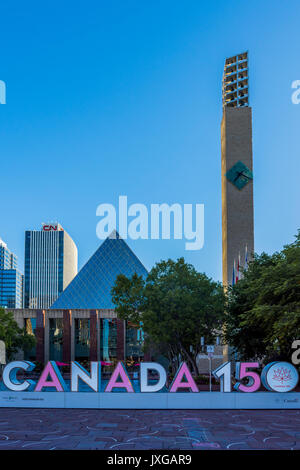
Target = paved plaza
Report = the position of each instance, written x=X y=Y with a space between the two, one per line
x=149 y=429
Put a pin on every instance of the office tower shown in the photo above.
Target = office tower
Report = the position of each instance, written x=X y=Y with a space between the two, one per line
x=8 y=260
x=50 y=264
x=11 y=280
x=237 y=184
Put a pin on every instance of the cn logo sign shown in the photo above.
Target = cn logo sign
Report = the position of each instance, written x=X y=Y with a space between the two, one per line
x=49 y=228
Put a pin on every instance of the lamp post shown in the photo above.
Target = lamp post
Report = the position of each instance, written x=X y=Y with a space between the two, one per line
x=210 y=349
x=2 y=355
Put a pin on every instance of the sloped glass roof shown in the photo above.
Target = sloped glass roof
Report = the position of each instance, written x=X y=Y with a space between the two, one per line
x=91 y=287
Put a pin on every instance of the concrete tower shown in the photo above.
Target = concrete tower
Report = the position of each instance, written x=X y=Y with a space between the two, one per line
x=237 y=185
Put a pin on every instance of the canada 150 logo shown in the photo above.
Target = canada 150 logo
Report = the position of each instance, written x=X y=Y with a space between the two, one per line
x=275 y=377
x=279 y=377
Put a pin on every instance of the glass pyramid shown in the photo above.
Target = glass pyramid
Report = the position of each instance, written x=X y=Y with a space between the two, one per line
x=91 y=287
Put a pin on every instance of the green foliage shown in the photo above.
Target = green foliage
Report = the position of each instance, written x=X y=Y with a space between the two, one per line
x=128 y=295
x=263 y=314
x=177 y=306
x=13 y=336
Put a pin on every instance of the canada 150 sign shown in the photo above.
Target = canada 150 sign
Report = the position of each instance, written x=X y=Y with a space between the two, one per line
x=276 y=377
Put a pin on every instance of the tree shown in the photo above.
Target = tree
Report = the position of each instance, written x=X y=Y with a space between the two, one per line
x=263 y=312
x=13 y=336
x=176 y=305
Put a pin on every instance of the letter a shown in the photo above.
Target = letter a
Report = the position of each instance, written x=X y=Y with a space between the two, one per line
x=178 y=383
x=56 y=378
x=125 y=383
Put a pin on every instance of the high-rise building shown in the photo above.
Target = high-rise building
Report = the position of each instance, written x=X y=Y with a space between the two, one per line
x=50 y=264
x=8 y=260
x=11 y=279
x=237 y=185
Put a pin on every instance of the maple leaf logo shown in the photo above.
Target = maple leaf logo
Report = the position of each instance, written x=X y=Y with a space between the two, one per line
x=282 y=374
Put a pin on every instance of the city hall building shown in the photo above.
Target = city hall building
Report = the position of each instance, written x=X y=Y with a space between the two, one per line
x=66 y=335
x=82 y=323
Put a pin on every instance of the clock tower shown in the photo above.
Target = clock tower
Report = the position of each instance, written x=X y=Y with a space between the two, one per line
x=237 y=184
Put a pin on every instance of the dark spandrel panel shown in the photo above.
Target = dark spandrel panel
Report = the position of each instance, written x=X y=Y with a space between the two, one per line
x=92 y=286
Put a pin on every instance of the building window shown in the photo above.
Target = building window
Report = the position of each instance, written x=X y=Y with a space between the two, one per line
x=56 y=339
x=82 y=339
x=134 y=343
x=30 y=327
x=108 y=339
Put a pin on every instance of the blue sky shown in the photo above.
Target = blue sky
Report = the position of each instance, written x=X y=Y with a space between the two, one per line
x=124 y=98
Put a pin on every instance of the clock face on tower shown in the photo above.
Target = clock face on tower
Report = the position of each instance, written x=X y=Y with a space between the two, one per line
x=239 y=175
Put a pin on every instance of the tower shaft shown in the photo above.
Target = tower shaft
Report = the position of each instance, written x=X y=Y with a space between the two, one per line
x=237 y=204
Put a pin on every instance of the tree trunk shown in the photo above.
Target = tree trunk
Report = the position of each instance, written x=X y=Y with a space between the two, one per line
x=190 y=359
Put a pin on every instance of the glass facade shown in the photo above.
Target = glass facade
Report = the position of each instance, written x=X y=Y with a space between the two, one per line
x=8 y=260
x=11 y=288
x=82 y=339
x=108 y=339
x=134 y=343
x=56 y=339
x=108 y=342
x=91 y=288
x=30 y=326
x=11 y=280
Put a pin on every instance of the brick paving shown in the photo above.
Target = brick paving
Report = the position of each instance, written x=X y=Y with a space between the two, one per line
x=149 y=429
